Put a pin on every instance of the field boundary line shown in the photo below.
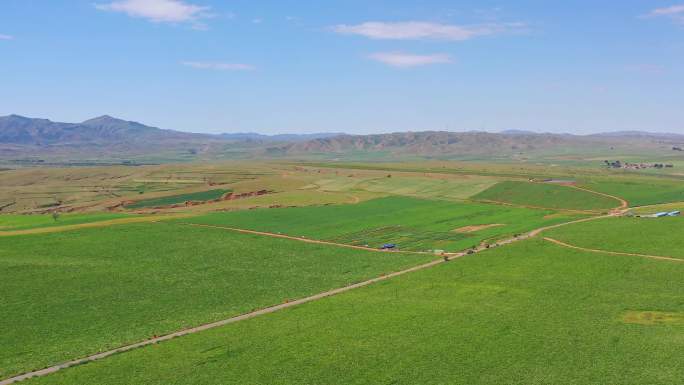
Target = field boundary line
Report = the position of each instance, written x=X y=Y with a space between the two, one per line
x=536 y=207
x=623 y=203
x=105 y=223
x=659 y=257
x=306 y=240
x=212 y=325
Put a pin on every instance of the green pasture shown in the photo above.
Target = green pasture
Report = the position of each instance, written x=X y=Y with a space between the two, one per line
x=641 y=191
x=652 y=236
x=180 y=198
x=69 y=294
x=546 y=195
x=9 y=222
x=528 y=313
x=411 y=223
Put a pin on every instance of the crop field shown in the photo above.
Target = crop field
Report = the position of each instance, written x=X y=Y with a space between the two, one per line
x=68 y=294
x=24 y=222
x=407 y=184
x=411 y=223
x=200 y=196
x=642 y=192
x=651 y=236
x=546 y=195
x=531 y=313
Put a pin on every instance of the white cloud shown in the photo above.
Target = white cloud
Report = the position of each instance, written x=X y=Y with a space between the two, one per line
x=418 y=30
x=675 y=12
x=218 y=66
x=6 y=37
x=158 y=11
x=406 y=60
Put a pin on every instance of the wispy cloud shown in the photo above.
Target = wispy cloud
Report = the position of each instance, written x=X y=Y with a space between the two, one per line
x=419 y=30
x=675 y=12
x=218 y=66
x=650 y=69
x=159 y=11
x=6 y=37
x=407 y=60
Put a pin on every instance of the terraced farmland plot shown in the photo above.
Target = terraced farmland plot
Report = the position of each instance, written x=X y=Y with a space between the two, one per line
x=652 y=236
x=457 y=187
x=546 y=195
x=413 y=224
x=24 y=222
x=66 y=295
x=175 y=199
x=531 y=313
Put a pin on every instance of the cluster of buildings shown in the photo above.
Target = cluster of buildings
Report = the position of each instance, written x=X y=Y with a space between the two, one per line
x=635 y=166
x=667 y=214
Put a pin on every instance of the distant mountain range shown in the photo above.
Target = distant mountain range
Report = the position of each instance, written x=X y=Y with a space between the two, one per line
x=110 y=138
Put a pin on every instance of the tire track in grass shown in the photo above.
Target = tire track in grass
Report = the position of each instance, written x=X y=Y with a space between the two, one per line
x=301 y=239
x=623 y=203
x=659 y=257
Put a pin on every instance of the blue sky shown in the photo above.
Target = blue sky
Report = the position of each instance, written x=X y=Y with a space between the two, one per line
x=354 y=66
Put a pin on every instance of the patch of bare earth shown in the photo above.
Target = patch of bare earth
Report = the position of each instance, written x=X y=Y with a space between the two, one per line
x=474 y=228
x=652 y=317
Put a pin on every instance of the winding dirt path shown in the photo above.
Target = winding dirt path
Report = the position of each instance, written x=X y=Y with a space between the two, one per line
x=623 y=203
x=659 y=257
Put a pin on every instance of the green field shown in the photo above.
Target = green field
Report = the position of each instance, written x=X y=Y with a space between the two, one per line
x=24 y=222
x=455 y=187
x=201 y=196
x=652 y=236
x=640 y=191
x=411 y=223
x=546 y=195
x=530 y=313
x=68 y=294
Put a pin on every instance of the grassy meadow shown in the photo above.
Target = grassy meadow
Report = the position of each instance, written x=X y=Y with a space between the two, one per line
x=68 y=294
x=531 y=313
x=413 y=224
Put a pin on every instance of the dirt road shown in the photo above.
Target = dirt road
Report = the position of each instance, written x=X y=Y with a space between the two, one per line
x=271 y=309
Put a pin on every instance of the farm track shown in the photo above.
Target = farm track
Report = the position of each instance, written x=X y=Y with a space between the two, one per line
x=623 y=203
x=658 y=257
x=594 y=212
x=446 y=257
x=267 y=310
